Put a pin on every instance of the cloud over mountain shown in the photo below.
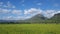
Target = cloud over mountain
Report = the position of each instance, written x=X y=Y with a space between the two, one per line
x=29 y=13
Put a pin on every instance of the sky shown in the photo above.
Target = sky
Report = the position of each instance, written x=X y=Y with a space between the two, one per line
x=25 y=9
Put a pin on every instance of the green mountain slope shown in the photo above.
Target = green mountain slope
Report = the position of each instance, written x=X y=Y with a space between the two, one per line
x=36 y=19
x=56 y=18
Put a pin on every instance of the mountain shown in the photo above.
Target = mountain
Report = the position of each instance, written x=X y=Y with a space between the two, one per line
x=56 y=18
x=36 y=19
x=41 y=19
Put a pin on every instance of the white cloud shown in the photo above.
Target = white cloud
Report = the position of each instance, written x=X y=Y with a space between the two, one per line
x=49 y=13
x=8 y=18
x=17 y=12
x=4 y=10
x=8 y=11
x=32 y=11
x=57 y=12
x=13 y=18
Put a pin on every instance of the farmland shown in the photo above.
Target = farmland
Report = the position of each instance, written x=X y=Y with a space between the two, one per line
x=29 y=28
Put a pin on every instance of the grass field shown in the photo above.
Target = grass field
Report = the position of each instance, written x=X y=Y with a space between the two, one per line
x=29 y=28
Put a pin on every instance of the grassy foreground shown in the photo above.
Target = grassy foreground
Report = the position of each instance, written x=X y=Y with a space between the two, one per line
x=29 y=28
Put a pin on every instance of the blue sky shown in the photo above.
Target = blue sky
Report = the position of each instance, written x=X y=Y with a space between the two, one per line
x=24 y=9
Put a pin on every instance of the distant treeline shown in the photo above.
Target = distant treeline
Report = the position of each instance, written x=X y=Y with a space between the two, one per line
x=15 y=23
x=44 y=22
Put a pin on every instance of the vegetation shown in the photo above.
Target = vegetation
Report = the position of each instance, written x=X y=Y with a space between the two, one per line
x=29 y=28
